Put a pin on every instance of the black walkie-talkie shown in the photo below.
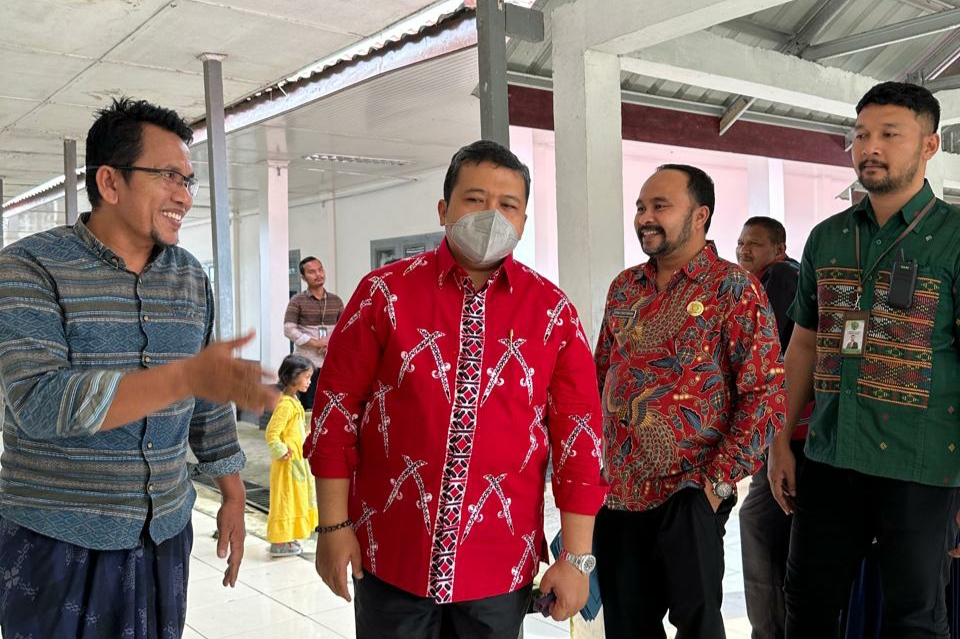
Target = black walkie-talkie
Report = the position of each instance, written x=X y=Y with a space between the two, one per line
x=903 y=280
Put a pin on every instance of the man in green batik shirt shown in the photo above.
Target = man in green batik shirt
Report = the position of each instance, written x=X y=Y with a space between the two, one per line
x=882 y=451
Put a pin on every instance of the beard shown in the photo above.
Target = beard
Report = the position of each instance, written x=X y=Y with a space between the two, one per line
x=666 y=245
x=888 y=183
x=161 y=243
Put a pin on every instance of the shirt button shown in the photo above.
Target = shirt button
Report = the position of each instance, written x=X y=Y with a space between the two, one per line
x=146 y=359
x=879 y=241
x=149 y=445
x=846 y=392
x=150 y=488
x=146 y=318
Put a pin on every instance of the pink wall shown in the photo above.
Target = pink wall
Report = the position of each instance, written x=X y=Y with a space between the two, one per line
x=809 y=194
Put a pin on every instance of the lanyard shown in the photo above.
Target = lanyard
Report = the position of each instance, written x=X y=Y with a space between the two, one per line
x=861 y=275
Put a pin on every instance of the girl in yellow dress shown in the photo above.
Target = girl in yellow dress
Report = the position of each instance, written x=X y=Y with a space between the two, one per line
x=293 y=502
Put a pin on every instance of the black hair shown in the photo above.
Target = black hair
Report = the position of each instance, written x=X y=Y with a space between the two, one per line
x=699 y=185
x=484 y=151
x=914 y=97
x=291 y=367
x=116 y=137
x=774 y=229
x=307 y=259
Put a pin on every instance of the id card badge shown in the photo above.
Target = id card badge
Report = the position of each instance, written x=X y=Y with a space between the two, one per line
x=854 y=333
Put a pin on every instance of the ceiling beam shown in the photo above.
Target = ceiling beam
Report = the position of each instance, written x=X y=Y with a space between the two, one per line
x=943 y=84
x=907 y=30
x=748 y=26
x=949 y=99
x=619 y=27
x=816 y=20
x=688 y=106
x=709 y=61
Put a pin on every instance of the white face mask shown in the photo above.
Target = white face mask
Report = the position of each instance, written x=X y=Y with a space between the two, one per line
x=484 y=237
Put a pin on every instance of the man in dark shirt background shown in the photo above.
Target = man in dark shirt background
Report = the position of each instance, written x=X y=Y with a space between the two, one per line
x=764 y=528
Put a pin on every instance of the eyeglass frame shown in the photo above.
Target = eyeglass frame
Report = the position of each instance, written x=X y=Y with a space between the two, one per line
x=192 y=184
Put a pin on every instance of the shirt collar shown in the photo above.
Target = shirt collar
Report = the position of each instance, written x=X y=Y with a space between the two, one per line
x=102 y=251
x=766 y=268
x=696 y=269
x=91 y=242
x=864 y=209
x=447 y=265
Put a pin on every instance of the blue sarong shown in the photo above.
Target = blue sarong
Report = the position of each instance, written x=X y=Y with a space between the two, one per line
x=50 y=589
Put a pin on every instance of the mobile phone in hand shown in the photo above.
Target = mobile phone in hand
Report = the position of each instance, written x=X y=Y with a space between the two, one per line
x=542 y=604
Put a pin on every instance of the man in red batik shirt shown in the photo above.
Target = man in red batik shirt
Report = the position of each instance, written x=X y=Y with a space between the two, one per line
x=687 y=361
x=449 y=379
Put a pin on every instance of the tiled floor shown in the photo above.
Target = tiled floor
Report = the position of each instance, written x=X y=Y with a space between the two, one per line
x=284 y=598
x=275 y=598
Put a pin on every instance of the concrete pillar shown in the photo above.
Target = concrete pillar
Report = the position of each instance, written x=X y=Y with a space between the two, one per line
x=765 y=184
x=589 y=154
x=274 y=258
x=492 y=58
x=70 y=180
x=219 y=195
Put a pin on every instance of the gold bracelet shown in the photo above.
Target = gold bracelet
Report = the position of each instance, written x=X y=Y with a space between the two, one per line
x=329 y=529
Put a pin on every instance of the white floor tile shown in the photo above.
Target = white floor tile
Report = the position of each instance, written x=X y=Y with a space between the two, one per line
x=300 y=628
x=280 y=574
x=189 y=633
x=309 y=599
x=536 y=628
x=225 y=619
x=200 y=570
x=339 y=620
x=211 y=592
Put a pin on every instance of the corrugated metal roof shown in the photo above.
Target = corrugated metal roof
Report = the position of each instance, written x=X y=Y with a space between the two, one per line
x=773 y=29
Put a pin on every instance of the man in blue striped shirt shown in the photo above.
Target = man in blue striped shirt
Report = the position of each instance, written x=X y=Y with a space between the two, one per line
x=109 y=375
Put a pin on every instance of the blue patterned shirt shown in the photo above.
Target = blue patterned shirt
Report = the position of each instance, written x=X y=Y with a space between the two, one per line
x=73 y=321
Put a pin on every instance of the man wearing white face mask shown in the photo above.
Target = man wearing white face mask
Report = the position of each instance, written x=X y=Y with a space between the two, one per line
x=447 y=382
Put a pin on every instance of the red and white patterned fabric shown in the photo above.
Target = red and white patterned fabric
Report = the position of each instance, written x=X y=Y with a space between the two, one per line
x=441 y=404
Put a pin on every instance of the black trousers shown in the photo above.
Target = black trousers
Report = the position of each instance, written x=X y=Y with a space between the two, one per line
x=765 y=543
x=669 y=558
x=386 y=612
x=839 y=513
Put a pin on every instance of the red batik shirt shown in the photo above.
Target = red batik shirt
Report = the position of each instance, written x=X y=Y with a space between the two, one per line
x=441 y=403
x=690 y=380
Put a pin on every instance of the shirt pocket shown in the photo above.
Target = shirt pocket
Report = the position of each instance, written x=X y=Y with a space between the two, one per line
x=898 y=353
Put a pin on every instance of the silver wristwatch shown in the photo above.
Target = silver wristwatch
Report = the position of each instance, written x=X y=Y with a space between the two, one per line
x=584 y=563
x=722 y=489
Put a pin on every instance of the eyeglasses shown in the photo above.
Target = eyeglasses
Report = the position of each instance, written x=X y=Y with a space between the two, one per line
x=170 y=178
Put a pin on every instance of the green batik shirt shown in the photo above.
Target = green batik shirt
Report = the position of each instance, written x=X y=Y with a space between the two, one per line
x=895 y=411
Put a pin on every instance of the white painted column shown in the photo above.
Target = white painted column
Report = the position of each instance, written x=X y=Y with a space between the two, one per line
x=589 y=152
x=765 y=183
x=545 y=194
x=938 y=170
x=521 y=143
x=274 y=258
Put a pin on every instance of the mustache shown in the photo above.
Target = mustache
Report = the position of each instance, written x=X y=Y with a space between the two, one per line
x=866 y=163
x=649 y=227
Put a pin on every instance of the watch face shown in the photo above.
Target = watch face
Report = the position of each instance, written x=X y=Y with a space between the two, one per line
x=722 y=489
x=588 y=563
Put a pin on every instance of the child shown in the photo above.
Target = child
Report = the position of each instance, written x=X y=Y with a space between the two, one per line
x=293 y=502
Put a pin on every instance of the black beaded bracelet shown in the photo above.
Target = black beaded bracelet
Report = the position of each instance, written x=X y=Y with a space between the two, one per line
x=329 y=529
